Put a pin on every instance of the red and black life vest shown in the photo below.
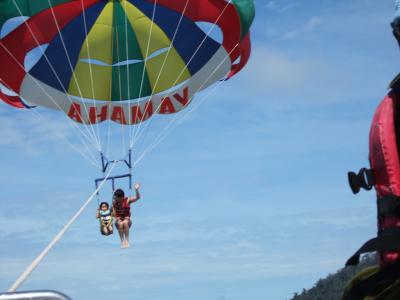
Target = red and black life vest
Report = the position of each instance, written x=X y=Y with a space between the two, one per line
x=122 y=209
x=384 y=176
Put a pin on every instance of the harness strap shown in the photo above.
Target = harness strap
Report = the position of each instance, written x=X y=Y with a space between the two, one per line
x=102 y=221
x=388 y=239
x=388 y=206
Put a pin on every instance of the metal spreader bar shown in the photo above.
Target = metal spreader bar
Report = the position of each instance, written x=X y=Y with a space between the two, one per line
x=107 y=163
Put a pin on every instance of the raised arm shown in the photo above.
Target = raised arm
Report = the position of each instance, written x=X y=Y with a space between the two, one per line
x=98 y=214
x=137 y=197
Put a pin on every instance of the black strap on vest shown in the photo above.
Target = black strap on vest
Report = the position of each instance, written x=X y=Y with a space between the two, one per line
x=388 y=206
x=388 y=239
x=395 y=84
x=384 y=277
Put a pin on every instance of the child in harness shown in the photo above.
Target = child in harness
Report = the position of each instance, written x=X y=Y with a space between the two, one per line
x=106 y=219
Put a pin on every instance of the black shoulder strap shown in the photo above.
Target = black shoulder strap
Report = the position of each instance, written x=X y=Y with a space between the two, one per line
x=395 y=84
x=388 y=206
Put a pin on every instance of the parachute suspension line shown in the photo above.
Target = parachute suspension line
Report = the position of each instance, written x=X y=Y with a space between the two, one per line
x=89 y=138
x=145 y=60
x=108 y=134
x=169 y=128
x=183 y=69
x=170 y=47
x=127 y=71
x=72 y=68
x=95 y=142
x=57 y=238
x=108 y=109
x=48 y=61
x=123 y=139
x=120 y=90
x=88 y=155
x=137 y=136
x=147 y=126
x=90 y=69
x=161 y=136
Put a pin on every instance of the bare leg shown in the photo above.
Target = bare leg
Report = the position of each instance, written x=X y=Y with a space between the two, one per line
x=127 y=234
x=121 y=233
x=124 y=226
x=110 y=228
x=105 y=230
x=128 y=226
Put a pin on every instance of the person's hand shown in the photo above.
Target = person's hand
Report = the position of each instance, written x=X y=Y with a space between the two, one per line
x=137 y=186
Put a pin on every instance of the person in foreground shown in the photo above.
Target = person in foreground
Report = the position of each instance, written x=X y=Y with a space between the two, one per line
x=121 y=207
x=381 y=281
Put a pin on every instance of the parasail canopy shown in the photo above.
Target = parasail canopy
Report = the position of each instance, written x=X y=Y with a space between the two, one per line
x=119 y=60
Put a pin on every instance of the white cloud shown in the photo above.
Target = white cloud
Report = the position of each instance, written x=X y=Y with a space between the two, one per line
x=273 y=69
x=309 y=26
x=34 y=133
x=28 y=132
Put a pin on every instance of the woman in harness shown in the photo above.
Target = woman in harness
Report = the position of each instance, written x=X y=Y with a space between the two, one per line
x=122 y=213
x=106 y=219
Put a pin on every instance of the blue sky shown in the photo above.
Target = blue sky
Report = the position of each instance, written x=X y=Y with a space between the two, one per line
x=246 y=199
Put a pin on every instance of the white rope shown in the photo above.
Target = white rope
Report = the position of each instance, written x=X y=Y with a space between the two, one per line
x=138 y=136
x=90 y=67
x=120 y=88
x=88 y=155
x=170 y=48
x=92 y=142
x=109 y=103
x=127 y=70
x=81 y=136
x=47 y=94
x=164 y=133
x=144 y=69
x=52 y=68
x=161 y=70
x=161 y=136
x=56 y=239
x=108 y=134
x=71 y=67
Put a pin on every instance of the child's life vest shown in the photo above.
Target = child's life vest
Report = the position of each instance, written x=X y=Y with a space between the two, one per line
x=105 y=217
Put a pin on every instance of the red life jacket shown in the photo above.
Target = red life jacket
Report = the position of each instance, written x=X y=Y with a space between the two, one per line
x=384 y=176
x=122 y=208
x=384 y=157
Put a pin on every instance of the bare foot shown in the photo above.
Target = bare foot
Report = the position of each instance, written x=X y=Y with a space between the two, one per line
x=124 y=244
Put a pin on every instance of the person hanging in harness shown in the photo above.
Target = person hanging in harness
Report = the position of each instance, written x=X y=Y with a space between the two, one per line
x=105 y=217
x=121 y=207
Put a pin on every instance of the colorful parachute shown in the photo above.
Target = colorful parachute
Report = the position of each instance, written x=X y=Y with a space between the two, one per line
x=122 y=60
